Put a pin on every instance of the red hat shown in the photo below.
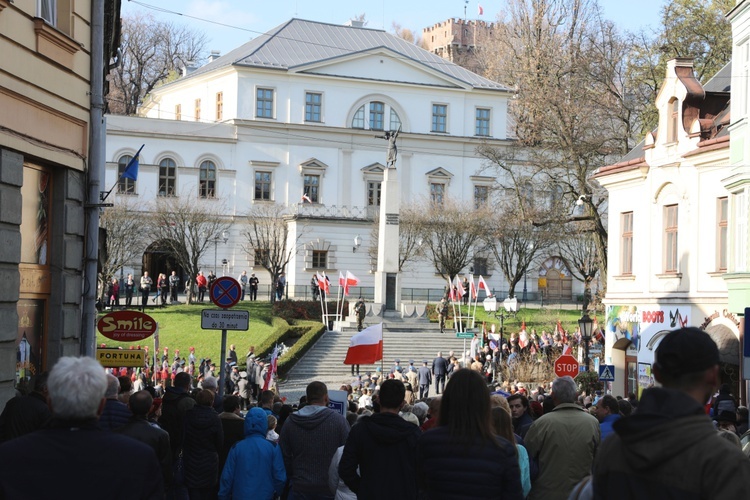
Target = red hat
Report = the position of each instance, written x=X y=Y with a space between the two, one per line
x=192 y=349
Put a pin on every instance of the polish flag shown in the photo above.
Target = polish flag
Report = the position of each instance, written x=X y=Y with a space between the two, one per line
x=451 y=291
x=306 y=199
x=480 y=10
x=460 y=288
x=472 y=287
x=350 y=281
x=366 y=347
x=324 y=284
x=482 y=285
x=271 y=369
x=342 y=281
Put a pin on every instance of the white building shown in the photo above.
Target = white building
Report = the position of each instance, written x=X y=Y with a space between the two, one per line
x=299 y=111
x=668 y=230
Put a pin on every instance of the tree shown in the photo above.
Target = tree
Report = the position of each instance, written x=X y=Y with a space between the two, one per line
x=514 y=241
x=580 y=255
x=407 y=34
x=268 y=238
x=569 y=113
x=125 y=238
x=187 y=228
x=451 y=233
x=152 y=51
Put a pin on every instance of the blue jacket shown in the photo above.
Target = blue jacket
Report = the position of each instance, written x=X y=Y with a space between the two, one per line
x=605 y=426
x=254 y=467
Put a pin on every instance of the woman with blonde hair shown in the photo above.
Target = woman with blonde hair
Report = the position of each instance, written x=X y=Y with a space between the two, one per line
x=502 y=423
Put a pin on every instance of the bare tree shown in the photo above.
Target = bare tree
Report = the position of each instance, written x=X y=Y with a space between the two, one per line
x=268 y=238
x=580 y=255
x=188 y=227
x=152 y=52
x=407 y=34
x=450 y=233
x=125 y=237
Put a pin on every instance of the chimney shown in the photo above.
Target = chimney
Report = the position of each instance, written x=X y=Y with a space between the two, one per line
x=188 y=68
x=355 y=23
x=215 y=54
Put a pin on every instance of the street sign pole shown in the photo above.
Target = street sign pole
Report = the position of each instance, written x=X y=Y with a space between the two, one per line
x=222 y=373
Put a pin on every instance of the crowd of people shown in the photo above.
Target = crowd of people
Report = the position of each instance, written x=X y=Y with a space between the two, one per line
x=471 y=441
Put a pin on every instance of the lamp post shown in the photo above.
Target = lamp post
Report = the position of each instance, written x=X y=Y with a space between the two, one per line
x=357 y=243
x=586 y=325
x=224 y=237
x=526 y=272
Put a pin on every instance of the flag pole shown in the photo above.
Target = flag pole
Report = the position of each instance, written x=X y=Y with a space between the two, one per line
x=104 y=196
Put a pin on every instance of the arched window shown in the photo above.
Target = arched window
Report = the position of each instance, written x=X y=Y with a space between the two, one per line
x=167 y=169
x=359 y=118
x=207 y=186
x=124 y=185
x=377 y=111
x=376 y=115
x=674 y=114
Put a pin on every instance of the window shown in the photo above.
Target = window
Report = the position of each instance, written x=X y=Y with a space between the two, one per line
x=480 y=266
x=437 y=192
x=263 y=186
x=219 y=106
x=359 y=118
x=672 y=126
x=483 y=122
x=377 y=111
x=261 y=257
x=670 y=239
x=264 y=103
x=167 y=168
x=395 y=120
x=373 y=193
x=481 y=196
x=319 y=259
x=124 y=185
x=312 y=187
x=207 y=187
x=47 y=10
x=197 y=110
x=740 y=218
x=313 y=103
x=178 y=112
x=626 y=243
x=722 y=230
x=439 y=117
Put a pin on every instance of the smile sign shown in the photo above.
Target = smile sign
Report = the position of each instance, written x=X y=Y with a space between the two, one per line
x=126 y=326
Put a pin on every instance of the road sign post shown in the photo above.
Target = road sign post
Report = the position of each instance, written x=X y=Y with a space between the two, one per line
x=225 y=292
x=566 y=365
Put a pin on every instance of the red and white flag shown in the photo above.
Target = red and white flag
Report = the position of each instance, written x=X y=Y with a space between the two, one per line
x=482 y=285
x=323 y=283
x=451 y=291
x=349 y=282
x=342 y=281
x=459 y=288
x=480 y=10
x=271 y=368
x=306 y=199
x=472 y=287
x=366 y=347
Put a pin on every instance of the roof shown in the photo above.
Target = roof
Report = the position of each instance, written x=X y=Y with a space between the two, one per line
x=298 y=42
x=721 y=81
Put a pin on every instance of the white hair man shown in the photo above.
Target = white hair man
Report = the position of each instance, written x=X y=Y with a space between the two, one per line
x=70 y=449
x=564 y=441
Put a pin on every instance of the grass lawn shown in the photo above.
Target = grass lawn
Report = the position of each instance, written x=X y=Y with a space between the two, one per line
x=540 y=319
x=180 y=328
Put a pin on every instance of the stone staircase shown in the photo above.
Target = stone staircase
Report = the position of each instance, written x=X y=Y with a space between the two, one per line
x=403 y=338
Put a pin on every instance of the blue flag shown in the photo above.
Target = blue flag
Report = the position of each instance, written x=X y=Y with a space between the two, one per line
x=131 y=171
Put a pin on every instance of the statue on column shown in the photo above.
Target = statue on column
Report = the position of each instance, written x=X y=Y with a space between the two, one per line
x=391 y=136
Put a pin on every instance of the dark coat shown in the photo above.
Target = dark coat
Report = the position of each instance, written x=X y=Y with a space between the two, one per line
x=446 y=469
x=439 y=366
x=382 y=446
x=115 y=415
x=22 y=415
x=73 y=456
x=156 y=438
x=521 y=425
x=175 y=403
x=234 y=430
x=204 y=438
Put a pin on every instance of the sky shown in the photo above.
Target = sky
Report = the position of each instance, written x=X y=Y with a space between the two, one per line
x=230 y=23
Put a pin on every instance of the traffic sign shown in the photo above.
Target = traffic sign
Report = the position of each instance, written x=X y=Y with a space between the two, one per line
x=607 y=373
x=464 y=335
x=566 y=365
x=226 y=292
x=213 y=319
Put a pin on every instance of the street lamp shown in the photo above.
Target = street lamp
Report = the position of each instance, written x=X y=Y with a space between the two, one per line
x=586 y=325
x=357 y=243
x=525 y=272
x=224 y=237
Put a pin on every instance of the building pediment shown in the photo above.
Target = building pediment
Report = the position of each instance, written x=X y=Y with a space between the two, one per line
x=380 y=64
x=313 y=164
x=439 y=174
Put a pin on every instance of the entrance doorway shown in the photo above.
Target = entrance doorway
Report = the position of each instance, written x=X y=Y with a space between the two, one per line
x=158 y=258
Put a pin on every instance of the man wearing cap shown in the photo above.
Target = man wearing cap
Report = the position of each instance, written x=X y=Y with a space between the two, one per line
x=396 y=365
x=669 y=448
x=425 y=379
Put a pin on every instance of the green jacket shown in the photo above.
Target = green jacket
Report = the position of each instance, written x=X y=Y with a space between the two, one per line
x=563 y=443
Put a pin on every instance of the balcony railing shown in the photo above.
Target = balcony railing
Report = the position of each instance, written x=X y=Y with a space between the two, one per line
x=320 y=211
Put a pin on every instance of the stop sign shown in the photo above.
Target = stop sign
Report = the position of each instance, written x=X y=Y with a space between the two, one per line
x=566 y=365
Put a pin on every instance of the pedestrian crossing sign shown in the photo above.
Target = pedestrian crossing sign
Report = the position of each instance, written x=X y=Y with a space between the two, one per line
x=607 y=373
